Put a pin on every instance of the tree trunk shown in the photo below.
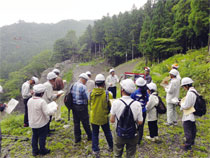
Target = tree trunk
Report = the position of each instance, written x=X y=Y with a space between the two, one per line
x=100 y=49
x=95 y=49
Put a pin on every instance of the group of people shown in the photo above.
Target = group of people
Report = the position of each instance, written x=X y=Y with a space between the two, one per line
x=38 y=114
x=102 y=111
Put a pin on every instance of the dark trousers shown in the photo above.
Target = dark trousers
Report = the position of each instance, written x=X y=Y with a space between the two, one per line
x=39 y=136
x=107 y=132
x=141 y=127
x=48 y=125
x=80 y=113
x=25 y=101
x=189 y=132
x=114 y=91
x=153 y=128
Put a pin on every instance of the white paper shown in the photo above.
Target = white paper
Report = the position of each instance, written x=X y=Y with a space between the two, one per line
x=64 y=81
x=11 y=105
x=60 y=92
x=52 y=107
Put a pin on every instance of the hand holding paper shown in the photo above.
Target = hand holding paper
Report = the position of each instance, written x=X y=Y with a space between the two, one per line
x=11 y=105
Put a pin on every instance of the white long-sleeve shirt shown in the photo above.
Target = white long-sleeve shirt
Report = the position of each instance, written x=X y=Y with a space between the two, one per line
x=49 y=96
x=111 y=81
x=38 y=112
x=25 y=91
x=189 y=102
x=172 y=90
x=151 y=109
x=178 y=76
x=90 y=85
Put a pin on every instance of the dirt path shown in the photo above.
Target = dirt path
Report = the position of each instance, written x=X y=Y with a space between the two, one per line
x=126 y=67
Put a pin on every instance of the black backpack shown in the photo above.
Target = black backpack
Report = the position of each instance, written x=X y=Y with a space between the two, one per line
x=200 y=105
x=68 y=101
x=126 y=126
x=161 y=108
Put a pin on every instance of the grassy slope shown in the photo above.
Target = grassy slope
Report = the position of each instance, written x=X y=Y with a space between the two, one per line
x=195 y=64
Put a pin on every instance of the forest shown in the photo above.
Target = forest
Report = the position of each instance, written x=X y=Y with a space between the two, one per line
x=156 y=31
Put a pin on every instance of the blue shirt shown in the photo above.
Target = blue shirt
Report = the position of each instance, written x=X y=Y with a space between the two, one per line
x=79 y=93
x=137 y=95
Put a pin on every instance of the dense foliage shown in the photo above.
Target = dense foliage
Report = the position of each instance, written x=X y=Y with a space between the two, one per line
x=158 y=30
x=21 y=41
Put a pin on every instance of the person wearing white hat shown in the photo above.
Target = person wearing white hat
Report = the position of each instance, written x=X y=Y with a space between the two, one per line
x=148 y=78
x=27 y=94
x=127 y=88
x=38 y=120
x=80 y=107
x=99 y=113
x=152 y=112
x=176 y=66
x=90 y=83
x=141 y=96
x=189 y=119
x=57 y=86
x=111 y=82
x=49 y=96
x=2 y=108
x=172 y=93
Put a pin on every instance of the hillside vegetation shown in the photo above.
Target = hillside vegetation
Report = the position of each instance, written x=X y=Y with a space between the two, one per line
x=195 y=64
x=156 y=31
x=21 y=41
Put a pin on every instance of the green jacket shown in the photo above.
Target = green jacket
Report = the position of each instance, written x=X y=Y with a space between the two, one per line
x=99 y=106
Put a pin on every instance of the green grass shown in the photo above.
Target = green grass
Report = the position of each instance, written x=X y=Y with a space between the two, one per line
x=68 y=76
x=195 y=64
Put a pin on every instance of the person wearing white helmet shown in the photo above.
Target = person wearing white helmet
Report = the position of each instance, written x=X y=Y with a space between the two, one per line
x=90 y=83
x=57 y=86
x=99 y=113
x=141 y=96
x=172 y=93
x=148 y=78
x=189 y=119
x=127 y=88
x=38 y=120
x=111 y=82
x=49 y=96
x=2 y=108
x=152 y=112
x=80 y=107
x=27 y=94
x=176 y=66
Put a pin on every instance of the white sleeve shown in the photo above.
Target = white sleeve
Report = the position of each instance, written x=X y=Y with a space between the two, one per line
x=139 y=115
x=171 y=88
x=49 y=93
x=26 y=91
x=113 y=108
x=117 y=78
x=45 y=108
x=108 y=81
x=189 y=101
x=150 y=103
